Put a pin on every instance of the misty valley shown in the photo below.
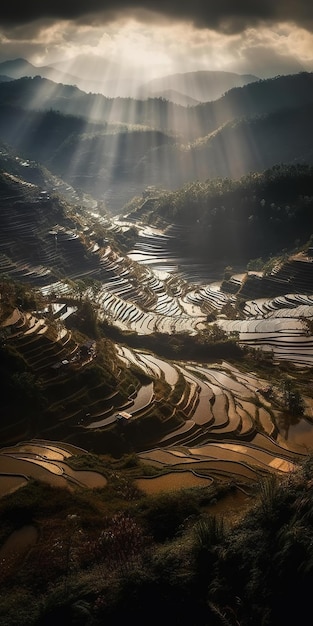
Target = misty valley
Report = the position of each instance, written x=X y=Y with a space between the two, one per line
x=156 y=327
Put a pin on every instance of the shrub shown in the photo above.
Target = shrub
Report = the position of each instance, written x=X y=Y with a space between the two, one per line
x=165 y=515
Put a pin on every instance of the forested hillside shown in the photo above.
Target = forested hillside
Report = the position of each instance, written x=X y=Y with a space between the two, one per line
x=114 y=148
x=257 y=215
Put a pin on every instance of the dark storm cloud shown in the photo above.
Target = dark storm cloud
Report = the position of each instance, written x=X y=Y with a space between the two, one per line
x=227 y=16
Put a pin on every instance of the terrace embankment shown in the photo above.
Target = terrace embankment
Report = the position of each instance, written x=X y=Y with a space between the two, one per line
x=175 y=398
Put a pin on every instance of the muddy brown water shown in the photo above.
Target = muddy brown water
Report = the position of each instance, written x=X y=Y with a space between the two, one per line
x=172 y=482
x=299 y=433
x=16 y=547
x=231 y=507
x=8 y=484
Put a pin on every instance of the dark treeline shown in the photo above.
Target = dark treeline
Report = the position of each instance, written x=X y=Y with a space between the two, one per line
x=180 y=346
x=42 y=94
x=258 y=215
x=257 y=98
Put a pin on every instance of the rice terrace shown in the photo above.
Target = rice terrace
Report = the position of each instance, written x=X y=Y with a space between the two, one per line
x=156 y=342
x=211 y=417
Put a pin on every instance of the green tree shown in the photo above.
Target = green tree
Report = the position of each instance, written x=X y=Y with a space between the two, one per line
x=292 y=398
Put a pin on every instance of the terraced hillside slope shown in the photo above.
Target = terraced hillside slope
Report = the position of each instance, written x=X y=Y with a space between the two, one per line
x=135 y=353
x=45 y=461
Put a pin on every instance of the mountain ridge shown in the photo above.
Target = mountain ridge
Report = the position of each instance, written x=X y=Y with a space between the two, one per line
x=217 y=82
x=203 y=85
x=250 y=128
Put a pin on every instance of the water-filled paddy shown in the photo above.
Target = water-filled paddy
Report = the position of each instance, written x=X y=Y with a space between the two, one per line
x=298 y=432
x=43 y=460
x=172 y=482
x=218 y=402
x=15 y=548
x=231 y=506
x=8 y=484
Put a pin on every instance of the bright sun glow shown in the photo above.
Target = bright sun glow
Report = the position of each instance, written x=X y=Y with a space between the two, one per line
x=134 y=55
x=130 y=48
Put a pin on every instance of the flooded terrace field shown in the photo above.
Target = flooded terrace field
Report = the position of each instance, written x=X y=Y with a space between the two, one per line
x=215 y=418
x=158 y=250
x=45 y=461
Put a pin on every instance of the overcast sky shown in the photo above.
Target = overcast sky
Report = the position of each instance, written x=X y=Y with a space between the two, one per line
x=157 y=37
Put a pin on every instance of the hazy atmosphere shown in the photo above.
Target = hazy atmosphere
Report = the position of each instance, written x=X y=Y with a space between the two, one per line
x=156 y=312
x=140 y=40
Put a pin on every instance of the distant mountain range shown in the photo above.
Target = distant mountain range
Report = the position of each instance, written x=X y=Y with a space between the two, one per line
x=203 y=86
x=18 y=68
x=174 y=96
x=235 y=149
x=258 y=98
x=185 y=88
x=114 y=148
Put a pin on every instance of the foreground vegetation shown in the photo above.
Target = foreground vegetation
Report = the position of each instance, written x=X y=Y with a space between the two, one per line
x=109 y=555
